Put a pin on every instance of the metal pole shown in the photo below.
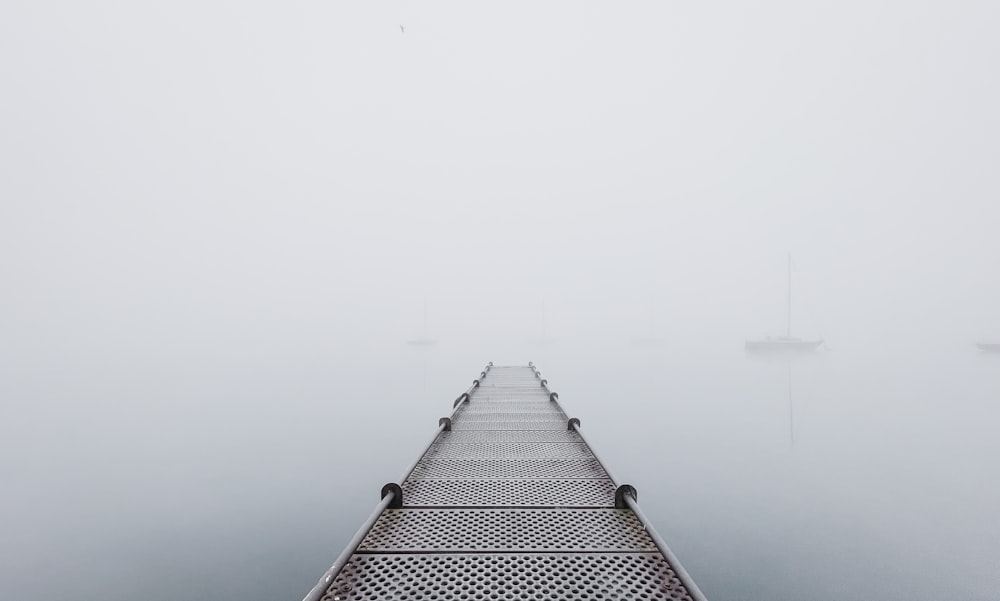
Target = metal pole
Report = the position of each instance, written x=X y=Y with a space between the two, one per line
x=427 y=447
x=331 y=574
x=324 y=583
x=413 y=466
x=583 y=438
x=593 y=452
x=661 y=544
x=409 y=470
x=633 y=504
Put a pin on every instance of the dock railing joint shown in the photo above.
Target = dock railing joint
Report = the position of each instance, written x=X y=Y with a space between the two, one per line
x=394 y=491
x=621 y=492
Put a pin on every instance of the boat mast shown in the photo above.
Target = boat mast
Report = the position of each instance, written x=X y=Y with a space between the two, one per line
x=789 y=313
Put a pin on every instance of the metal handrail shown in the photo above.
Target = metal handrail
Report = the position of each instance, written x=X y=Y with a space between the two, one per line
x=441 y=427
x=661 y=544
x=632 y=504
x=331 y=574
x=317 y=592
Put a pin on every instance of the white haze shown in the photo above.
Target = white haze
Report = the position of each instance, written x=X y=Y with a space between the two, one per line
x=221 y=222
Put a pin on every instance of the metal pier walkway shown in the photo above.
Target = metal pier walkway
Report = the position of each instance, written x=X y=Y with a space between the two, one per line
x=508 y=501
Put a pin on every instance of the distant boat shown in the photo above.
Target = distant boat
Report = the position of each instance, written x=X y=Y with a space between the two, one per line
x=786 y=342
x=989 y=347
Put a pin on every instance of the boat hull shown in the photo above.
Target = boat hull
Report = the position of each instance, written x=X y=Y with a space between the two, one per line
x=779 y=345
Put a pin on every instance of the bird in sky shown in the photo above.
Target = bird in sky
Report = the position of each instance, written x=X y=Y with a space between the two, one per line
x=403 y=29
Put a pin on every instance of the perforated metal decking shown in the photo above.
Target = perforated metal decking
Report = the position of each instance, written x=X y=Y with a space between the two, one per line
x=507 y=502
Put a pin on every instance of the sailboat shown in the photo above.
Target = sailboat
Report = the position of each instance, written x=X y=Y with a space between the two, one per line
x=786 y=342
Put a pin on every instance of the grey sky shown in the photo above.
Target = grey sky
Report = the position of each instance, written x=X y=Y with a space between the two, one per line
x=231 y=162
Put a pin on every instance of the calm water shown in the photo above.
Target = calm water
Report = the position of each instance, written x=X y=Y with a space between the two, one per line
x=844 y=475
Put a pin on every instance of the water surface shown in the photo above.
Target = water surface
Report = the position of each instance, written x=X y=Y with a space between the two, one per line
x=843 y=475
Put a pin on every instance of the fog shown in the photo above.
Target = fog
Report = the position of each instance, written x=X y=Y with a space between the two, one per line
x=222 y=223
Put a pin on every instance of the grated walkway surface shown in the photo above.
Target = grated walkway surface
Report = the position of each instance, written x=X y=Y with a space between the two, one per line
x=510 y=503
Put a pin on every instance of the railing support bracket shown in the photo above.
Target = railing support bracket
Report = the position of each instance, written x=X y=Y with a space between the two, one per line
x=621 y=491
x=397 y=495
